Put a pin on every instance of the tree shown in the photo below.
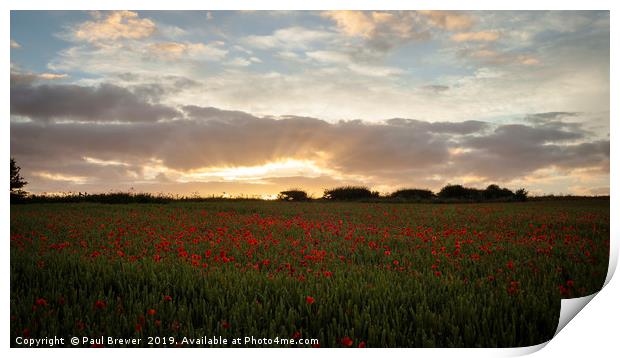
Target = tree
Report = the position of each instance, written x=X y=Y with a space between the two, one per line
x=349 y=193
x=17 y=181
x=521 y=194
x=412 y=194
x=293 y=195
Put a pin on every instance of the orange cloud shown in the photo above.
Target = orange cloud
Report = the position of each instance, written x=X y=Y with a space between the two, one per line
x=448 y=20
x=358 y=23
x=115 y=25
x=483 y=36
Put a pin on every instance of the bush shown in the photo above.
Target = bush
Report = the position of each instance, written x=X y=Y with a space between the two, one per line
x=521 y=194
x=494 y=192
x=350 y=193
x=412 y=194
x=293 y=195
x=459 y=192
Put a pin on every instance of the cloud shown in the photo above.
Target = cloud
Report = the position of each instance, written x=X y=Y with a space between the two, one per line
x=211 y=145
x=358 y=23
x=449 y=20
x=115 y=25
x=288 y=38
x=104 y=103
x=27 y=78
x=15 y=44
x=483 y=36
x=490 y=56
x=382 y=31
x=174 y=50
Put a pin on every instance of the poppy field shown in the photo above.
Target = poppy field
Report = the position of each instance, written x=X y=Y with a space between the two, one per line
x=311 y=274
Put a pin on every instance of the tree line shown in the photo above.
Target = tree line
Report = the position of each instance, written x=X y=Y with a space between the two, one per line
x=449 y=193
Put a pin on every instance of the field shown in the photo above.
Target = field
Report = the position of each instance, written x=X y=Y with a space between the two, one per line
x=347 y=274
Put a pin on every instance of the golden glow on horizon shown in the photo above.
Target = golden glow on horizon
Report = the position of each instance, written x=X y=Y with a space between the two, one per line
x=277 y=169
x=61 y=177
x=96 y=161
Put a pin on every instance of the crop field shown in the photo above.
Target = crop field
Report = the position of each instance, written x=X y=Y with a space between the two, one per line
x=341 y=274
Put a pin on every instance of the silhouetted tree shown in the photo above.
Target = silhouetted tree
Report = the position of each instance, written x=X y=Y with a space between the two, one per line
x=350 y=193
x=493 y=191
x=293 y=195
x=459 y=192
x=521 y=194
x=17 y=181
x=412 y=194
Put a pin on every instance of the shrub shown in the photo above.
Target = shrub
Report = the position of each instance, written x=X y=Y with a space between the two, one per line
x=412 y=194
x=521 y=194
x=493 y=192
x=459 y=192
x=350 y=193
x=293 y=195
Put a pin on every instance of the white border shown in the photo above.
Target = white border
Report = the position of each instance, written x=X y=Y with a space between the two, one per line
x=594 y=330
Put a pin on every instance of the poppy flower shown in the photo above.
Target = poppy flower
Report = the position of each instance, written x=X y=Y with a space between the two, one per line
x=346 y=341
x=297 y=335
x=361 y=345
x=138 y=327
x=100 y=304
x=309 y=300
x=40 y=302
x=395 y=262
x=151 y=312
x=225 y=325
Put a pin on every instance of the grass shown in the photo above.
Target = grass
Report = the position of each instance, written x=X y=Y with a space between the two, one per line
x=376 y=274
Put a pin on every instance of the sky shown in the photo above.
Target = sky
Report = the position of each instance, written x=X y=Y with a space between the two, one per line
x=256 y=102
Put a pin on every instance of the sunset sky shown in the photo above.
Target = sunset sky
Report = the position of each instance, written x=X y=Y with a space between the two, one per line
x=255 y=102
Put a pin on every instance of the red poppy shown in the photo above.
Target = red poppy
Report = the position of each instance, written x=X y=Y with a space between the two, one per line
x=41 y=302
x=510 y=265
x=570 y=283
x=387 y=252
x=309 y=300
x=438 y=273
x=513 y=289
x=297 y=335
x=151 y=312
x=225 y=325
x=100 y=304
x=138 y=327
x=346 y=341
x=167 y=298
x=395 y=262
x=361 y=345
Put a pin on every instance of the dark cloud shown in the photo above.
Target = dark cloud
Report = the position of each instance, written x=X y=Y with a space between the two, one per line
x=466 y=127
x=396 y=152
x=435 y=88
x=516 y=150
x=103 y=103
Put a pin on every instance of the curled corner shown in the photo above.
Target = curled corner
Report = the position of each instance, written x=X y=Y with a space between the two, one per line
x=571 y=307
